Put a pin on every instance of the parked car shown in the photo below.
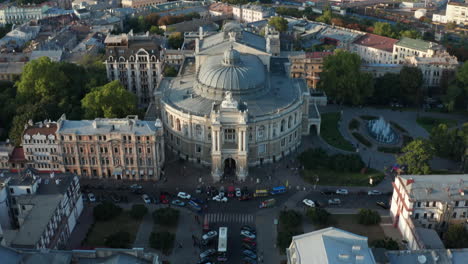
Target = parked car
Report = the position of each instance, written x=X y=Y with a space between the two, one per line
x=238 y=192
x=210 y=235
x=249 y=246
x=249 y=253
x=334 y=201
x=219 y=198
x=115 y=198
x=308 y=202
x=163 y=199
x=231 y=191
x=194 y=205
x=198 y=201
x=247 y=234
x=221 y=191
x=183 y=195
x=384 y=205
x=327 y=192
x=135 y=187
x=207 y=253
x=374 y=192
x=178 y=203
x=91 y=197
x=245 y=197
x=146 y=199
x=249 y=240
x=342 y=191
x=198 y=190
x=248 y=228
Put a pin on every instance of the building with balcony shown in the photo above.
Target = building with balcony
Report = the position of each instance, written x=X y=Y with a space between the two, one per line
x=308 y=66
x=141 y=3
x=121 y=148
x=429 y=202
x=251 y=13
x=234 y=106
x=43 y=208
x=135 y=61
x=19 y=14
x=374 y=49
x=457 y=11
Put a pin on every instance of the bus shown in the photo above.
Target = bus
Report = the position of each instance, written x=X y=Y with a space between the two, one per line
x=260 y=193
x=222 y=244
x=278 y=190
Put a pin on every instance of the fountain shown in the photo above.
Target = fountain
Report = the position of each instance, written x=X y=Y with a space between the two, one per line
x=381 y=131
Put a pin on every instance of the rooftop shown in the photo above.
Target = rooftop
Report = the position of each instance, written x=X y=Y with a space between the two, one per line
x=332 y=245
x=257 y=7
x=317 y=55
x=340 y=34
x=428 y=256
x=435 y=187
x=376 y=42
x=416 y=44
x=130 y=124
x=17 y=155
x=458 y=3
x=40 y=128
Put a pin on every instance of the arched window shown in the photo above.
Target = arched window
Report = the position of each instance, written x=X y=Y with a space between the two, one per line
x=111 y=59
x=178 y=127
x=261 y=132
x=295 y=118
x=283 y=124
x=289 y=122
x=198 y=131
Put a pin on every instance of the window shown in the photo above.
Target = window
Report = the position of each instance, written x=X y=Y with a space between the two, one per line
x=416 y=216
x=289 y=122
x=454 y=215
x=427 y=204
x=261 y=148
x=425 y=216
x=434 y=204
x=197 y=148
x=12 y=190
x=198 y=131
x=418 y=204
x=261 y=132
x=432 y=215
x=229 y=135
x=457 y=203
x=283 y=123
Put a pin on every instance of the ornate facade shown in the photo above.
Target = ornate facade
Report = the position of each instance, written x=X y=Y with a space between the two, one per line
x=233 y=105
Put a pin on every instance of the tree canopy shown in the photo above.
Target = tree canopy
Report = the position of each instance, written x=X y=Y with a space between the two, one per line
x=456 y=236
x=449 y=143
x=456 y=96
x=111 y=101
x=279 y=23
x=342 y=79
x=175 y=40
x=416 y=156
x=411 y=79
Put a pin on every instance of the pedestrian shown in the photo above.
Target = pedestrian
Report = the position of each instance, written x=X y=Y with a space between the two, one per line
x=180 y=245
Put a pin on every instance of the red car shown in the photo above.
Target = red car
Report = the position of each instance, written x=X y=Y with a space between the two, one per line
x=249 y=240
x=231 y=191
x=163 y=199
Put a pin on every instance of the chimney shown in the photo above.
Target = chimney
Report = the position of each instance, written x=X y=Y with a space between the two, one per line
x=200 y=32
x=409 y=181
x=94 y=124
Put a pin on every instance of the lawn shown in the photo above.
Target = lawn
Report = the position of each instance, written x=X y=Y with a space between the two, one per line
x=333 y=178
x=102 y=229
x=330 y=133
x=350 y=223
x=429 y=123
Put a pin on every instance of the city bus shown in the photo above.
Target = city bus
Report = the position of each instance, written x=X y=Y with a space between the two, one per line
x=222 y=244
x=260 y=193
x=278 y=190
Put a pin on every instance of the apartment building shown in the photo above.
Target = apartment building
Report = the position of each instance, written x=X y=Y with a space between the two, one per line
x=135 y=61
x=125 y=148
x=308 y=66
x=407 y=47
x=41 y=147
x=17 y=14
x=374 y=49
x=434 y=69
x=6 y=149
x=141 y=3
x=428 y=202
x=251 y=13
x=43 y=208
x=457 y=12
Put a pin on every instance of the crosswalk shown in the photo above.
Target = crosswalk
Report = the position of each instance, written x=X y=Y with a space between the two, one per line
x=229 y=218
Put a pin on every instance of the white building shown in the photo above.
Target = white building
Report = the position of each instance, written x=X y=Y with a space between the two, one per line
x=428 y=202
x=251 y=13
x=15 y=14
x=44 y=207
x=457 y=12
x=407 y=47
x=374 y=49
x=135 y=61
x=329 y=246
x=141 y=3
x=434 y=68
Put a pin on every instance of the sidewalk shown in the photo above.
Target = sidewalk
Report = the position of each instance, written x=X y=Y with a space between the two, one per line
x=187 y=228
x=266 y=232
x=144 y=231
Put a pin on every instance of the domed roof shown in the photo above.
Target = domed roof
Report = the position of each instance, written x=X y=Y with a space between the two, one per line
x=238 y=73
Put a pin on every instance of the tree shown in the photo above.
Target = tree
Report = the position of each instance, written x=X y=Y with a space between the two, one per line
x=152 y=19
x=456 y=236
x=457 y=91
x=342 y=79
x=138 y=211
x=388 y=243
x=162 y=241
x=120 y=239
x=279 y=23
x=170 y=71
x=110 y=101
x=156 y=30
x=106 y=211
x=449 y=143
x=414 y=34
x=386 y=88
x=416 y=156
x=319 y=216
x=383 y=29
x=326 y=17
x=411 y=79
x=368 y=217
x=166 y=216
x=7 y=107
x=175 y=40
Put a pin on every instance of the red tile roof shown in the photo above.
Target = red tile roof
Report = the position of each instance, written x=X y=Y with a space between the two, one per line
x=317 y=55
x=44 y=130
x=376 y=42
x=17 y=155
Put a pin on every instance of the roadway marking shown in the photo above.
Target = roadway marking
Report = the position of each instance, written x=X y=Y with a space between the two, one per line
x=236 y=218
